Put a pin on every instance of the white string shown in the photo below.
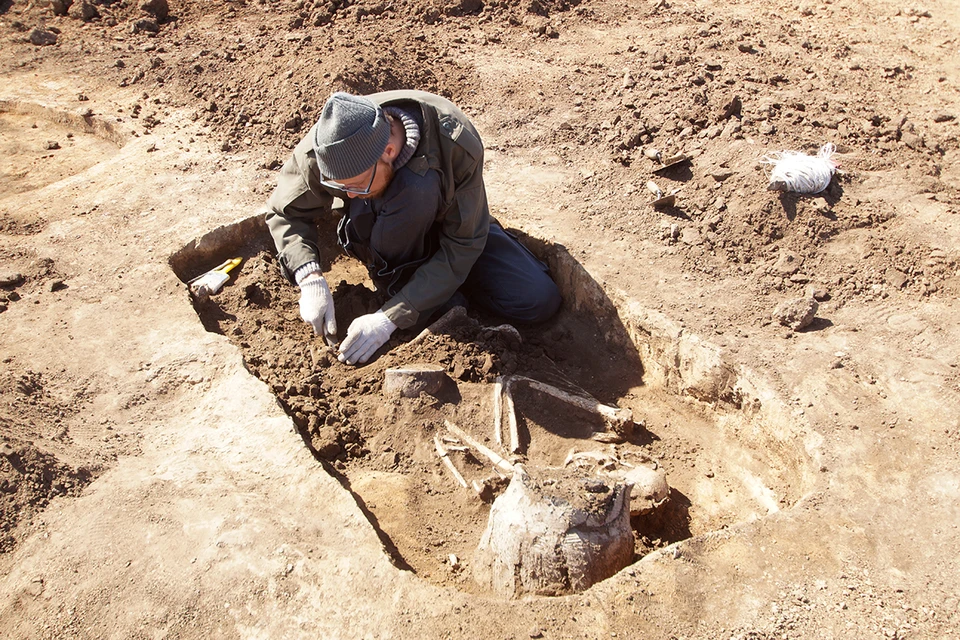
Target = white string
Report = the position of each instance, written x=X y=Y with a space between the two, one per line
x=796 y=171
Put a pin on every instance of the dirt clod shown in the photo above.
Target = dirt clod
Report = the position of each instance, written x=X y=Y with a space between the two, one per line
x=43 y=37
x=797 y=313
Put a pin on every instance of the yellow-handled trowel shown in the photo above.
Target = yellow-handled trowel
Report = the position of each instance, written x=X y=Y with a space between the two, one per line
x=211 y=281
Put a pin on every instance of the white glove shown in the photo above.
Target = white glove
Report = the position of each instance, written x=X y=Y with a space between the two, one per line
x=365 y=335
x=316 y=306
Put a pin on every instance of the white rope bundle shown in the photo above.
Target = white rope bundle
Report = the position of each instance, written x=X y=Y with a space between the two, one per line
x=796 y=171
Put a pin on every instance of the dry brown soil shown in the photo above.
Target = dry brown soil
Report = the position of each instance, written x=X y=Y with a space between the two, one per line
x=174 y=467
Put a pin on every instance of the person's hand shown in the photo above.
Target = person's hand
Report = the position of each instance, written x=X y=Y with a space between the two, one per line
x=316 y=305
x=365 y=335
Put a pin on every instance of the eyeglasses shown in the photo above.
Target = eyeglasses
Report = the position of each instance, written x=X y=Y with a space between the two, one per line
x=358 y=191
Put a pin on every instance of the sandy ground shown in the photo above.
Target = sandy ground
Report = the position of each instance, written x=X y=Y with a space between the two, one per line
x=155 y=482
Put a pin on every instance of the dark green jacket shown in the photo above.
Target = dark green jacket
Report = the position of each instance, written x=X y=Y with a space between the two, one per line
x=449 y=144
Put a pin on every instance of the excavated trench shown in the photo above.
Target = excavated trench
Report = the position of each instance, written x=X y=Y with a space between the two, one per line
x=418 y=463
x=40 y=145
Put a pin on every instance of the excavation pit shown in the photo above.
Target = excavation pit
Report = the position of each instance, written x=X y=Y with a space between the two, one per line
x=731 y=450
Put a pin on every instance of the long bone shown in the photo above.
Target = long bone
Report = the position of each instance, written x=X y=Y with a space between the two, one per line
x=511 y=416
x=620 y=419
x=498 y=410
x=494 y=457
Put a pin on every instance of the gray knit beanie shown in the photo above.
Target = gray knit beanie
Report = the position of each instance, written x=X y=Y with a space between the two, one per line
x=350 y=136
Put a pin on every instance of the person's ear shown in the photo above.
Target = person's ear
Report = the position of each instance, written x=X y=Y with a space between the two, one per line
x=390 y=153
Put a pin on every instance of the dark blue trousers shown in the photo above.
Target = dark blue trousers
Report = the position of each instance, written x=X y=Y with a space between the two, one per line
x=509 y=281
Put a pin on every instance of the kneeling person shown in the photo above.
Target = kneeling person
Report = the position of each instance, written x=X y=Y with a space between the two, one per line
x=409 y=167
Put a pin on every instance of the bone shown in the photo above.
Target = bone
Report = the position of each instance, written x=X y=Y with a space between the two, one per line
x=498 y=410
x=620 y=419
x=495 y=458
x=511 y=418
x=445 y=457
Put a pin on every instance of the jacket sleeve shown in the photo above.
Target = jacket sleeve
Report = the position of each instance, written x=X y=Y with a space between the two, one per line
x=293 y=209
x=463 y=234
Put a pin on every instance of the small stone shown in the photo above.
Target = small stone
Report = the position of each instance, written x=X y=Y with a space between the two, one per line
x=148 y=25
x=896 y=278
x=691 y=236
x=389 y=459
x=595 y=485
x=10 y=279
x=787 y=264
x=721 y=174
x=731 y=129
x=796 y=314
x=35 y=588
x=85 y=11
x=324 y=442
x=42 y=37
x=160 y=9
x=820 y=295
x=52 y=145
x=912 y=140
x=89 y=12
x=411 y=381
x=943 y=117
x=732 y=109
x=60 y=7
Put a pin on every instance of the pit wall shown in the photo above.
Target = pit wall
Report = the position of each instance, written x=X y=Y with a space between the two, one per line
x=80 y=121
x=213 y=247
